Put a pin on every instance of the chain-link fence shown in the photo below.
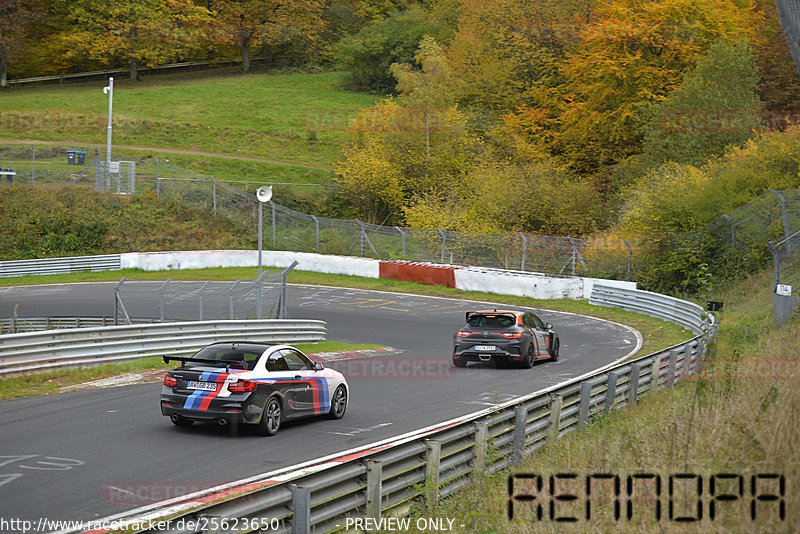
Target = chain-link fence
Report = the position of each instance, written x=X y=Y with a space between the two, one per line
x=771 y=216
x=287 y=229
x=786 y=261
x=171 y=300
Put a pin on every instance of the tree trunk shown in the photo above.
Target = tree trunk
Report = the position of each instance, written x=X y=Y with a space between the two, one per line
x=134 y=63
x=3 y=65
x=245 y=56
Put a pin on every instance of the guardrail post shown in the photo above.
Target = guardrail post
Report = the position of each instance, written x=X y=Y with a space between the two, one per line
x=520 y=422
x=655 y=372
x=586 y=398
x=673 y=362
x=686 y=371
x=611 y=391
x=374 y=488
x=701 y=352
x=301 y=509
x=432 y=471
x=481 y=446
x=633 y=385
x=555 y=417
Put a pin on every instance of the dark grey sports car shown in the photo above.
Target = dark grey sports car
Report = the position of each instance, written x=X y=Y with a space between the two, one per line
x=504 y=336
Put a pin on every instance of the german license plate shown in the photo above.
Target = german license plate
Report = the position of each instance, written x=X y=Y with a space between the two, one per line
x=210 y=386
x=485 y=347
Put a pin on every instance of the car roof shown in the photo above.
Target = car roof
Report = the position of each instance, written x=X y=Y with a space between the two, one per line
x=498 y=312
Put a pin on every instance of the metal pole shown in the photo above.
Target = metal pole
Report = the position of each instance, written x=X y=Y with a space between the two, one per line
x=524 y=250
x=316 y=226
x=274 y=233
x=403 y=234
x=260 y=224
x=301 y=509
x=33 y=163
x=432 y=471
x=110 y=91
x=784 y=215
x=518 y=445
x=555 y=417
x=214 y=194
x=158 y=179
x=444 y=242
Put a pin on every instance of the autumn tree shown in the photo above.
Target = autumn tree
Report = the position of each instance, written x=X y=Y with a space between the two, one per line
x=112 y=32
x=715 y=106
x=633 y=53
x=249 y=23
x=15 y=18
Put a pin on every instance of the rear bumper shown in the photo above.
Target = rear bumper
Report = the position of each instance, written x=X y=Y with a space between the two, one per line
x=503 y=351
x=218 y=409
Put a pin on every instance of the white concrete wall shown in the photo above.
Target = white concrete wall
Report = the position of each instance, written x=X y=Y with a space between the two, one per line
x=533 y=285
x=160 y=261
x=524 y=284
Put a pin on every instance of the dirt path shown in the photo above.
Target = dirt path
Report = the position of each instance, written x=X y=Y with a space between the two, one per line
x=4 y=141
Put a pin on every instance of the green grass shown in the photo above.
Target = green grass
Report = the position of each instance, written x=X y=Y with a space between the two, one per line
x=657 y=334
x=57 y=381
x=297 y=118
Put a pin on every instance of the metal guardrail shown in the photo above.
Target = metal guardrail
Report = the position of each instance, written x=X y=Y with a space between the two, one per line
x=15 y=325
x=37 y=351
x=686 y=314
x=107 y=262
x=436 y=462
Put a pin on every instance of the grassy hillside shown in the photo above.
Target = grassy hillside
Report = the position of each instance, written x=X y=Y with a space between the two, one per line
x=295 y=118
x=61 y=221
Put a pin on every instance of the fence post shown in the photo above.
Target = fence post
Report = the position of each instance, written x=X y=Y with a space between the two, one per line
x=673 y=364
x=403 y=237
x=784 y=214
x=200 y=299
x=586 y=398
x=520 y=421
x=481 y=446
x=524 y=250
x=316 y=227
x=630 y=258
x=161 y=303
x=432 y=471
x=655 y=372
x=231 y=300
x=555 y=417
x=444 y=243
x=374 y=488
x=301 y=509
x=633 y=385
x=214 y=194
x=274 y=232
x=611 y=391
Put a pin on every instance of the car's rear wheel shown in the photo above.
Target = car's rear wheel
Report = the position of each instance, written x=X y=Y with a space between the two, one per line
x=338 y=403
x=554 y=352
x=459 y=362
x=179 y=420
x=527 y=361
x=271 y=419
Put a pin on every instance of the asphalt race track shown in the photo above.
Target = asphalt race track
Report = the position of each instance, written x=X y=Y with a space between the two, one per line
x=93 y=453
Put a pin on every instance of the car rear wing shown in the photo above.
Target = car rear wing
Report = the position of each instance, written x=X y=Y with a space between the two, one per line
x=184 y=359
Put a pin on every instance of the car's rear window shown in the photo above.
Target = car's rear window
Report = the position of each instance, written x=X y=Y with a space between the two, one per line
x=245 y=355
x=486 y=320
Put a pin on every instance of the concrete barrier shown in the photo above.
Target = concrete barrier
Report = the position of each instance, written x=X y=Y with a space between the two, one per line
x=422 y=272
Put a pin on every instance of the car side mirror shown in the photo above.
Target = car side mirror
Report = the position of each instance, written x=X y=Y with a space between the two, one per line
x=549 y=326
x=318 y=366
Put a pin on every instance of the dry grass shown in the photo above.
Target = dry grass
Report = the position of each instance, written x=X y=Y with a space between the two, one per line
x=741 y=417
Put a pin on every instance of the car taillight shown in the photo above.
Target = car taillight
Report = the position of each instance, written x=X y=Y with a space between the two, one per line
x=511 y=335
x=242 y=386
x=170 y=381
x=462 y=333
